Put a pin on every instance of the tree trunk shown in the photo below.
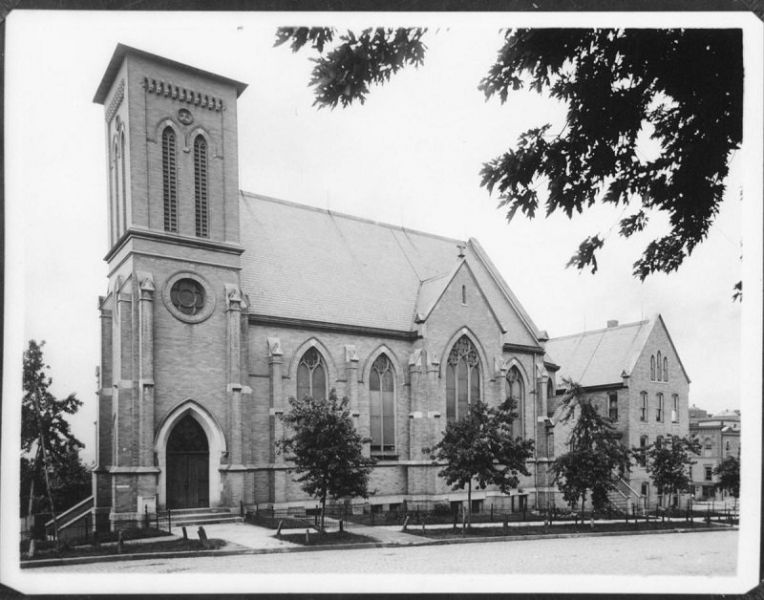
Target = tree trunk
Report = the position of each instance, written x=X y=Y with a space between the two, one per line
x=469 y=504
x=35 y=469
x=323 y=512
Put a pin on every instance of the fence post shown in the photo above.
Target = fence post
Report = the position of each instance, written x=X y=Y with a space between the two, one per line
x=146 y=515
x=241 y=508
x=169 y=521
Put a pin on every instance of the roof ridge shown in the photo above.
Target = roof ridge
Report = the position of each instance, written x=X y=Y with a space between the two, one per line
x=349 y=216
x=594 y=331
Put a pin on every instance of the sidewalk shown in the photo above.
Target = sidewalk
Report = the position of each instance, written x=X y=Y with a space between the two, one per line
x=245 y=538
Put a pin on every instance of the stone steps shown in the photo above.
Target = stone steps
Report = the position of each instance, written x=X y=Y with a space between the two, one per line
x=201 y=516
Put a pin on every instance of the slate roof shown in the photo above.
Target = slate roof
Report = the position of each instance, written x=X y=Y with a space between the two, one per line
x=599 y=357
x=311 y=264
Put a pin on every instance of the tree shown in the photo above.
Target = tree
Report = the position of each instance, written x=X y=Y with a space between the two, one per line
x=668 y=463
x=480 y=448
x=683 y=88
x=596 y=459
x=326 y=449
x=728 y=472
x=46 y=437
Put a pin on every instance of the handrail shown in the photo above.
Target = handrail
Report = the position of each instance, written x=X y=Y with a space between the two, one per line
x=61 y=516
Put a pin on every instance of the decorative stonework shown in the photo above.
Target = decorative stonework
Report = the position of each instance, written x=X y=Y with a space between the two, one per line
x=119 y=95
x=174 y=92
x=233 y=296
x=274 y=347
x=189 y=297
x=351 y=354
x=185 y=116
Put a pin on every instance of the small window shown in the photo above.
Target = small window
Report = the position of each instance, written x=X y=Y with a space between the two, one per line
x=659 y=442
x=659 y=366
x=613 y=406
x=643 y=407
x=675 y=408
x=709 y=472
x=708 y=448
x=652 y=368
x=727 y=446
x=464 y=294
x=477 y=506
x=645 y=488
x=665 y=369
x=550 y=443
x=659 y=410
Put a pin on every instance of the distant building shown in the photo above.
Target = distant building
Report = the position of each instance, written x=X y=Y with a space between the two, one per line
x=719 y=437
x=634 y=376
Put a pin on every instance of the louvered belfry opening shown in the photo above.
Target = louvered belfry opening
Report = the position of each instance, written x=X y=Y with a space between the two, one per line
x=169 y=180
x=200 y=187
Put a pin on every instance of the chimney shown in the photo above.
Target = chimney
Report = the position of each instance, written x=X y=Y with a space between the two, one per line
x=462 y=247
x=612 y=323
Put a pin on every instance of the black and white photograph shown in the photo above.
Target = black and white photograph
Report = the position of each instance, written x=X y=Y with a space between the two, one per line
x=382 y=302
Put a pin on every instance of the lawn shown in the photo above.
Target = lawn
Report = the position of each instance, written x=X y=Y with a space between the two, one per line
x=329 y=538
x=47 y=549
x=499 y=531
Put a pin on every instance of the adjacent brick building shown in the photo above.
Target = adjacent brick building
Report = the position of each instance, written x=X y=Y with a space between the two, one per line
x=634 y=375
x=719 y=437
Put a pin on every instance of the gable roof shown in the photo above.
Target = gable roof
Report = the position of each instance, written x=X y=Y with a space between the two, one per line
x=313 y=264
x=599 y=357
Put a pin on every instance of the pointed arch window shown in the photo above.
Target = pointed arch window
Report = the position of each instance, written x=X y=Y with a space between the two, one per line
x=659 y=366
x=643 y=407
x=652 y=367
x=114 y=188
x=169 y=180
x=123 y=180
x=382 y=405
x=516 y=390
x=200 y=187
x=462 y=378
x=665 y=368
x=311 y=376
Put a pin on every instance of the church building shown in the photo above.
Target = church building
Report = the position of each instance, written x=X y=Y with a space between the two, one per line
x=221 y=305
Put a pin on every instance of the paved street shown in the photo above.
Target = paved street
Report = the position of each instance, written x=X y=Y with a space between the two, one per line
x=711 y=553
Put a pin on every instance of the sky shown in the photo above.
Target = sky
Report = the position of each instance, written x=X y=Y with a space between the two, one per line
x=410 y=156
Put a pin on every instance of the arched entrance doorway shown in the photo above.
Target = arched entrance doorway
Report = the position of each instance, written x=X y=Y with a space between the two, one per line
x=188 y=461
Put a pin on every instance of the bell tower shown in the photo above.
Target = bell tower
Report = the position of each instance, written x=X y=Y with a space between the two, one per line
x=171 y=318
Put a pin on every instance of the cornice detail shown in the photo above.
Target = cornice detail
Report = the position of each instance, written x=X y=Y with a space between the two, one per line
x=119 y=95
x=175 y=92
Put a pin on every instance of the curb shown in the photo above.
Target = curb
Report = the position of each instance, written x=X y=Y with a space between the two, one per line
x=57 y=562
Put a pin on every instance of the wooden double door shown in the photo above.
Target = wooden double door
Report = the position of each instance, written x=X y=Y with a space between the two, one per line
x=188 y=463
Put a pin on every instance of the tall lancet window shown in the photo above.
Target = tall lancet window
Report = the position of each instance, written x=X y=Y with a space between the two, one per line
x=516 y=391
x=200 y=186
x=114 y=189
x=123 y=180
x=462 y=379
x=382 y=405
x=659 y=370
x=169 y=180
x=311 y=376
